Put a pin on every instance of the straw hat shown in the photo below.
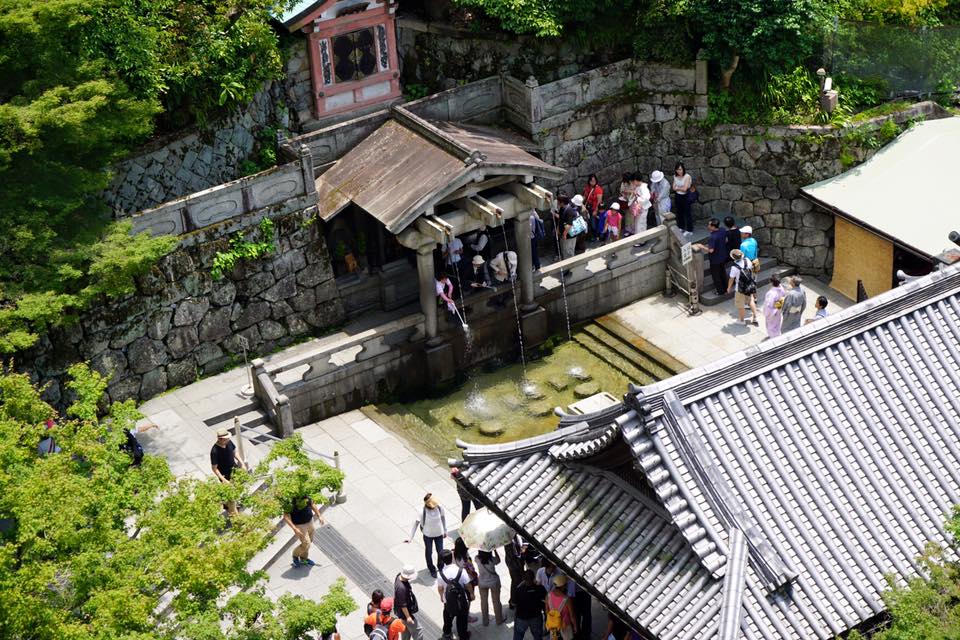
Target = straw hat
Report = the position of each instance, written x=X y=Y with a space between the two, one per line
x=736 y=254
x=559 y=580
x=223 y=433
x=430 y=502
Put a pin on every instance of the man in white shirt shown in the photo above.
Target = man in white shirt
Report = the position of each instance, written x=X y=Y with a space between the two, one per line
x=546 y=575
x=451 y=580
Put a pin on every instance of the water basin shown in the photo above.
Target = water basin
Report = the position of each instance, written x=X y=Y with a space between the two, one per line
x=494 y=406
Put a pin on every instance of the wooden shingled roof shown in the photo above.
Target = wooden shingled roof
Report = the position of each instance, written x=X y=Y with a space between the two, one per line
x=769 y=494
x=401 y=170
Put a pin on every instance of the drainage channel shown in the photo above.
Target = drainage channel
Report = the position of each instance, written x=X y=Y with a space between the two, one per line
x=360 y=571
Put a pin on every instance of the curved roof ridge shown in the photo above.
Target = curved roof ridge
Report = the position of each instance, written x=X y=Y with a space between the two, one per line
x=486 y=452
x=589 y=444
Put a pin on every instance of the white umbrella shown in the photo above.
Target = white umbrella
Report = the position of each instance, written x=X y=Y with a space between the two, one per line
x=485 y=531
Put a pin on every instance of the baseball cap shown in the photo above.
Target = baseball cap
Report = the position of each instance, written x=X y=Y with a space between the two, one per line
x=746 y=229
x=577 y=200
x=386 y=604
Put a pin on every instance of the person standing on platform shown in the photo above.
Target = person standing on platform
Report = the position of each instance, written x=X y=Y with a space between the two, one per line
x=794 y=304
x=433 y=525
x=405 y=603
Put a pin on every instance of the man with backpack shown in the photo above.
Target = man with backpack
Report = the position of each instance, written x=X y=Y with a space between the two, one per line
x=573 y=226
x=744 y=283
x=384 y=625
x=456 y=592
x=405 y=602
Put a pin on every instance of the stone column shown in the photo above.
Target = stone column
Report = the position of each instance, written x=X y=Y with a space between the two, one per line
x=521 y=233
x=428 y=291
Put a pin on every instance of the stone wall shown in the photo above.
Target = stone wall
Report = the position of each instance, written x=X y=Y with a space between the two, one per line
x=440 y=56
x=752 y=173
x=182 y=324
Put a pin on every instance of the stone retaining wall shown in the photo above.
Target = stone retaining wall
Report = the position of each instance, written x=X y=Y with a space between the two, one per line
x=182 y=324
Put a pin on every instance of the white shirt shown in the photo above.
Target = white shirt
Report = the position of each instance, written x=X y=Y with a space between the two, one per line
x=454 y=246
x=480 y=244
x=737 y=268
x=681 y=183
x=434 y=525
x=547 y=582
x=450 y=571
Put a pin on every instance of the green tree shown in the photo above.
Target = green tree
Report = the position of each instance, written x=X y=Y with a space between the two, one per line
x=94 y=548
x=586 y=20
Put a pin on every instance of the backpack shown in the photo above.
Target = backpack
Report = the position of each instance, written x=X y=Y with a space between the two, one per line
x=578 y=226
x=132 y=447
x=746 y=284
x=455 y=596
x=555 y=617
x=382 y=629
x=539 y=231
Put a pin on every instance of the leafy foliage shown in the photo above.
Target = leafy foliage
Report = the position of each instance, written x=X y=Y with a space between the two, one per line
x=297 y=477
x=244 y=249
x=85 y=81
x=101 y=549
x=583 y=19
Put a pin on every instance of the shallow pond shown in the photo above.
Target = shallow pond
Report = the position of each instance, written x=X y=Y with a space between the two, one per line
x=493 y=406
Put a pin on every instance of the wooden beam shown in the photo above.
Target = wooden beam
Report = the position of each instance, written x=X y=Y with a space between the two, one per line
x=432 y=230
x=484 y=210
x=474 y=188
x=532 y=194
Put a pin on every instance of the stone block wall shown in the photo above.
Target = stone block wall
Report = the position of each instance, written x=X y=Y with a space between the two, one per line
x=182 y=324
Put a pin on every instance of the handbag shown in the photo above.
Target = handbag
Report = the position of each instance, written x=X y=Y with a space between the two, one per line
x=692 y=195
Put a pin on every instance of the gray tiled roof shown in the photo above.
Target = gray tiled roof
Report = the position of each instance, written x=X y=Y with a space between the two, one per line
x=833 y=449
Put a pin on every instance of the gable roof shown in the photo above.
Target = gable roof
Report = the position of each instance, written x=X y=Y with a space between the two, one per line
x=918 y=164
x=830 y=455
x=410 y=164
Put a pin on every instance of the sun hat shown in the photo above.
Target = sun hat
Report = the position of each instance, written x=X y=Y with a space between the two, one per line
x=615 y=206
x=736 y=254
x=477 y=260
x=656 y=176
x=386 y=605
x=577 y=200
x=746 y=229
x=559 y=580
x=223 y=432
x=408 y=572
x=430 y=501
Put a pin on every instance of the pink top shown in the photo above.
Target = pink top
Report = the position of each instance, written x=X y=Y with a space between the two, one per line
x=556 y=601
x=613 y=218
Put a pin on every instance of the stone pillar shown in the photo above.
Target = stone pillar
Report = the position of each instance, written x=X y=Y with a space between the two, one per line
x=521 y=233
x=428 y=292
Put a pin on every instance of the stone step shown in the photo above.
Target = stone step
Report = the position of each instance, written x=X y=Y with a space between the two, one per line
x=613 y=357
x=624 y=349
x=660 y=358
x=709 y=297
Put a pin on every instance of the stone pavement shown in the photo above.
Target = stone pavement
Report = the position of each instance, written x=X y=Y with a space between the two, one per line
x=713 y=334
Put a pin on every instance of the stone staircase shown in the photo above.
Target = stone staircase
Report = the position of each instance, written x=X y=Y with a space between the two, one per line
x=256 y=423
x=621 y=348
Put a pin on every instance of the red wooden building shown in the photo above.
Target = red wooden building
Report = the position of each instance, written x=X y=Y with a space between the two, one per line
x=352 y=48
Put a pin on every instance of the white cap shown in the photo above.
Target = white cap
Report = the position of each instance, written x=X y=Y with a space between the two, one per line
x=656 y=176
x=747 y=229
x=615 y=206
x=577 y=200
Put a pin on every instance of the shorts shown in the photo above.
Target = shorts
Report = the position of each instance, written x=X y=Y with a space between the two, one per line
x=613 y=234
x=741 y=300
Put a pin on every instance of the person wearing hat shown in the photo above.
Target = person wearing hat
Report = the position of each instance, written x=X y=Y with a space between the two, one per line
x=383 y=622
x=559 y=600
x=659 y=194
x=480 y=276
x=741 y=277
x=405 y=603
x=299 y=517
x=571 y=238
x=612 y=220
x=223 y=460
x=433 y=524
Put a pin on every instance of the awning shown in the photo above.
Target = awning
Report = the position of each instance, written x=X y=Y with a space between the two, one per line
x=905 y=192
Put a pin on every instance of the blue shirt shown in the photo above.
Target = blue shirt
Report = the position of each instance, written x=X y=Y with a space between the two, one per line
x=718 y=247
x=750 y=248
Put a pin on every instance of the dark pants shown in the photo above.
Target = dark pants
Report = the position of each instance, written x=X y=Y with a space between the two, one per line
x=428 y=543
x=465 y=507
x=535 y=250
x=581 y=606
x=718 y=274
x=535 y=625
x=461 y=619
x=684 y=217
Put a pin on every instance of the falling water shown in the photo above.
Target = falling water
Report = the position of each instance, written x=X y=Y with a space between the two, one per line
x=563 y=287
x=516 y=307
x=463 y=304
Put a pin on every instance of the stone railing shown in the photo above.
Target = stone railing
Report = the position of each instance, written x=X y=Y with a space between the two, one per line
x=289 y=388
x=231 y=200
x=534 y=107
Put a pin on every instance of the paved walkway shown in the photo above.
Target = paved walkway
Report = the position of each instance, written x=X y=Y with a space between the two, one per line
x=715 y=333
